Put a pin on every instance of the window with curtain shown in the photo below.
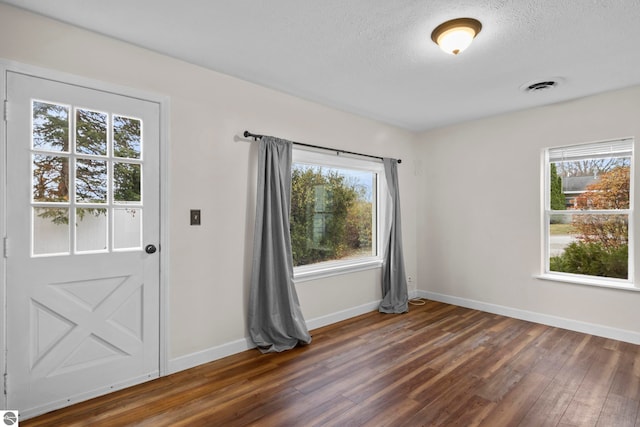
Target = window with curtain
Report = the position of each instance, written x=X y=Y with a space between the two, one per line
x=588 y=211
x=336 y=212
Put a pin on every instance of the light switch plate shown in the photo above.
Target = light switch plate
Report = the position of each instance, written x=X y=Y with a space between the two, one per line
x=195 y=216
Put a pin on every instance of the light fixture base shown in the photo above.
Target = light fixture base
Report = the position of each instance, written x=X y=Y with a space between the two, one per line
x=455 y=35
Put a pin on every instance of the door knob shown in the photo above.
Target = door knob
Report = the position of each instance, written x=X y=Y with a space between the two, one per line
x=150 y=249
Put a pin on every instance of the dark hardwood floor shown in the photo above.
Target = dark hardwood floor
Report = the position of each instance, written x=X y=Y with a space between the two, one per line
x=437 y=365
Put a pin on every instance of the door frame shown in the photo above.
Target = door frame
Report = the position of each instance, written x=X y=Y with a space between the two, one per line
x=164 y=103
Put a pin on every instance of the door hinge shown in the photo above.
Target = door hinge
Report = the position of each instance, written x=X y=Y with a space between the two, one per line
x=5 y=113
x=5 y=247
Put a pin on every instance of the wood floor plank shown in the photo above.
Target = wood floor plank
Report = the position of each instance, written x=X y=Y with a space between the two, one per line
x=470 y=413
x=587 y=403
x=430 y=387
x=513 y=408
x=453 y=397
x=437 y=365
x=621 y=407
x=618 y=411
x=565 y=364
x=626 y=382
x=549 y=407
x=309 y=409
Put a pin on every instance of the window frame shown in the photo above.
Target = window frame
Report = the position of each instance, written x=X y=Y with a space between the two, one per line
x=345 y=161
x=601 y=281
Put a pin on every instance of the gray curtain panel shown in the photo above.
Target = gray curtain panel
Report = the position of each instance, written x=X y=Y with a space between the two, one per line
x=395 y=296
x=274 y=315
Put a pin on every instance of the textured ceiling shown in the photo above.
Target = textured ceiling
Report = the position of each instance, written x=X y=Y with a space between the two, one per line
x=375 y=57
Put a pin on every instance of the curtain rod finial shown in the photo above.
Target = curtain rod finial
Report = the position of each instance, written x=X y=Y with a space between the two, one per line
x=248 y=134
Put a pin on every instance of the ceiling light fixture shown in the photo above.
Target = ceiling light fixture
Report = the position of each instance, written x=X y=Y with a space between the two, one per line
x=456 y=35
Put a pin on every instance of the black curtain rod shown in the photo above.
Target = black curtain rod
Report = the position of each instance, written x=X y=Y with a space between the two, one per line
x=256 y=137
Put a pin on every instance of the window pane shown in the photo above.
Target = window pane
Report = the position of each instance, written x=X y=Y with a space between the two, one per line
x=590 y=184
x=561 y=233
x=50 y=127
x=126 y=182
x=332 y=214
x=91 y=132
x=50 y=231
x=91 y=181
x=126 y=137
x=50 y=178
x=589 y=244
x=127 y=224
x=91 y=229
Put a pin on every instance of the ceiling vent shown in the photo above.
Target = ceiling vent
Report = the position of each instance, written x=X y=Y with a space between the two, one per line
x=540 y=86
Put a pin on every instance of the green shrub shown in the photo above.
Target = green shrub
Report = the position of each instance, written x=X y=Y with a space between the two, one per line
x=592 y=259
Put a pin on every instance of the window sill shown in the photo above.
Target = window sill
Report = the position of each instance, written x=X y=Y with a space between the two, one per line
x=322 y=270
x=589 y=281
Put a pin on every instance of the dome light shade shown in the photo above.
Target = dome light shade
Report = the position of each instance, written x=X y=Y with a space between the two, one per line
x=456 y=35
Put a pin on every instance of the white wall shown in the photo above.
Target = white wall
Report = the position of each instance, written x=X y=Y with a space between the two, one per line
x=471 y=195
x=213 y=170
x=479 y=210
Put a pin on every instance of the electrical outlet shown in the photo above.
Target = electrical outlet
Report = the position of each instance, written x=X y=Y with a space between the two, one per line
x=411 y=286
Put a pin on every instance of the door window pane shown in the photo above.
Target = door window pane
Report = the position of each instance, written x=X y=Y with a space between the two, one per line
x=126 y=182
x=127 y=228
x=127 y=137
x=50 y=127
x=91 y=181
x=91 y=229
x=91 y=132
x=50 y=231
x=50 y=178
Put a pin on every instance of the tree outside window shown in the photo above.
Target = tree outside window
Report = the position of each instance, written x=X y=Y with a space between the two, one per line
x=589 y=232
x=333 y=213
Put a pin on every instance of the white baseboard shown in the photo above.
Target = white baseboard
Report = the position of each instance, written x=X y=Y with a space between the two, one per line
x=214 y=353
x=545 y=319
x=209 y=355
x=339 y=316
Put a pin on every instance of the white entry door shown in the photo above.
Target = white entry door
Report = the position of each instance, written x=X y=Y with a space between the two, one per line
x=83 y=230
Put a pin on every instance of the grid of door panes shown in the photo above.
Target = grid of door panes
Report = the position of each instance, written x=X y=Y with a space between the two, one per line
x=87 y=171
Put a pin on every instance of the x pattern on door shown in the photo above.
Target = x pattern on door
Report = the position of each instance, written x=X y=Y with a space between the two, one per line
x=94 y=322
